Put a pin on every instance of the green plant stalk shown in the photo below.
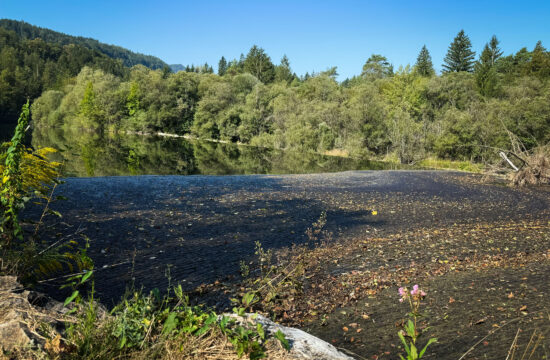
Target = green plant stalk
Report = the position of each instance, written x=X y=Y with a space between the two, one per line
x=10 y=195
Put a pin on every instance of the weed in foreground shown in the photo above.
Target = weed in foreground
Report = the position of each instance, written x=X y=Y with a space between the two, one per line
x=150 y=326
x=410 y=333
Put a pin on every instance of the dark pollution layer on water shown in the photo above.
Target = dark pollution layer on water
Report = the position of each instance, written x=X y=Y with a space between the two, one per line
x=86 y=154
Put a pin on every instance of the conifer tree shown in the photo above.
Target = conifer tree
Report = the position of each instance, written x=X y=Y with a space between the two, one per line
x=496 y=53
x=259 y=64
x=283 y=71
x=460 y=56
x=485 y=70
x=540 y=61
x=539 y=47
x=377 y=67
x=424 y=65
x=222 y=66
x=486 y=76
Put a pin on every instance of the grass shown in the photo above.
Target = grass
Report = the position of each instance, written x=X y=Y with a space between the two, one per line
x=467 y=166
x=440 y=164
x=337 y=152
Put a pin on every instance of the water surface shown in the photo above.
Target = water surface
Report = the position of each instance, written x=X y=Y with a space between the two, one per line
x=6 y=131
x=86 y=154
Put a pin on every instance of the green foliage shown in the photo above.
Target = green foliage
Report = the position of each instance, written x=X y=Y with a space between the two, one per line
x=30 y=65
x=377 y=67
x=132 y=100
x=424 y=65
x=222 y=66
x=75 y=282
x=410 y=114
x=283 y=71
x=411 y=332
x=88 y=107
x=140 y=323
x=281 y=337
x=11 y=195
x=259 y=64
x=460 y=56
x=28 y=174
x=129 y=58
x=485 y=69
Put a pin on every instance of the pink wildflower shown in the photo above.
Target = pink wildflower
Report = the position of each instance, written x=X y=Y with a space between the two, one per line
x=422 y=293
x=402 y=291
x=414 y=291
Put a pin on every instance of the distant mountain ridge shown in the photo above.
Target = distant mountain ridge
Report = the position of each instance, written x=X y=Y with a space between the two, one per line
x=129 y=58
x=176 y=67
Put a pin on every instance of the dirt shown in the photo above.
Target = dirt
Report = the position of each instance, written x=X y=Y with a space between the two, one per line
x=481 y=250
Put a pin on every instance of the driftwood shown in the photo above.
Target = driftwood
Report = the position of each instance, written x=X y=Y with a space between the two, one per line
x=503 y=156
x=536 y=171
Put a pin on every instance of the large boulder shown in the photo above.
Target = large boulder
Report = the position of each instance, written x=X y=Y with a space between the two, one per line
x=302 y=345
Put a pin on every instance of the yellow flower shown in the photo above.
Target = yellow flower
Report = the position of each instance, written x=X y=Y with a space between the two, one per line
x=374 y=212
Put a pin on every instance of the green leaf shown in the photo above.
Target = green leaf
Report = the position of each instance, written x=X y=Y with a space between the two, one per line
x=431 y=341
x=414 y=353
x=86 y=277
x=404 y=342
x=179 y=292
x=203 y=329
x=54 y=212
x=281 y=337
x=71 y=298
x=156 y=293
x=223 y=322
x=122 y=342
x=170 y=323
x=409 y=328
x=261 y=332
x=211 y=319
x=249 y=298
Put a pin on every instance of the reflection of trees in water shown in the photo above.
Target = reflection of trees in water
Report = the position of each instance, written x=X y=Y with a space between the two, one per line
x=92 y=154
x=220 y=159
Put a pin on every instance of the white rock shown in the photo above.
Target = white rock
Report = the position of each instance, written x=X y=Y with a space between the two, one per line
x=302 y=344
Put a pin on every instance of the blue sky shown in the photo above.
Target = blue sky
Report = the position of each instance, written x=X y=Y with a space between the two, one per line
x=315 y=35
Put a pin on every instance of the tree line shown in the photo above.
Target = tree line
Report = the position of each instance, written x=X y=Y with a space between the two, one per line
x=411 y=112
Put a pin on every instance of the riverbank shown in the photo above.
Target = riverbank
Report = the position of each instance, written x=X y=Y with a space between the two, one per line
x=195 y=230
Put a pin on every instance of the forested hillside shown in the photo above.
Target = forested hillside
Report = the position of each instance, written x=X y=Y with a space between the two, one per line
x=34 y=59
x=28 y=67
x=474 y=106
x=129 y=58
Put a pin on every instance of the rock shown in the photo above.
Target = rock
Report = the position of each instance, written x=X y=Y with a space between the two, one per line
x=302 y=345
x=8 y=283
x=19 y=315
x=13 y=330
x=13 y=335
